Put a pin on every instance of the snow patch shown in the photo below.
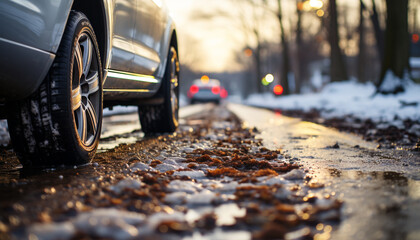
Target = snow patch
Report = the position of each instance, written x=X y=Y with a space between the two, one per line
x=163 y=167
x=52 y=231
x=157 y=218
x=184 y=186
x=349 y=98
x=192 y=174
x=204 y=197
x=127 y=183
x=110 y=223
x=390 y=82
x=295 y=174
x=140 y=166
x=175 y=198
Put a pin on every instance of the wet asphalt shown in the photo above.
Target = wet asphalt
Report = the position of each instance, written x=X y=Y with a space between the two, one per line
x=379 y=189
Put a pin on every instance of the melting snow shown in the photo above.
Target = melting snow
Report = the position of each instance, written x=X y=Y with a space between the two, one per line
x=175 y=198
x=295 y=174
x=128 y=183
x=163 y=167
x=204 y=197
x=140 y=166
x=349 y=98
x=184 y=186
x=105 y=223
x=52 y=231
x=192 y=174
x=110 y=223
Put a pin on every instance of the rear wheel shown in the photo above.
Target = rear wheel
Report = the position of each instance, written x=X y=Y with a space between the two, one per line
x=164 y=117
x=61 y=122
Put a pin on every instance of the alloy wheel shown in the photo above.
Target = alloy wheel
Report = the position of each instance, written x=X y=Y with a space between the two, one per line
x=85 y=94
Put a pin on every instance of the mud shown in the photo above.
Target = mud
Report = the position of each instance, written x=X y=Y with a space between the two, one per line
x=212 y=179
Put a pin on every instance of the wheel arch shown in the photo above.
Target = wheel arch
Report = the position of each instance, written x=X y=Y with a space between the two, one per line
x=100 y=22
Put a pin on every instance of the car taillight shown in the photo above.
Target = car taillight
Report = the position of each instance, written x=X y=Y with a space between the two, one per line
x=215 y=90
x=194 y=89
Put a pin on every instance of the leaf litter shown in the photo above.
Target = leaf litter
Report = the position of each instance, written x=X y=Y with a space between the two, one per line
x=212 y=179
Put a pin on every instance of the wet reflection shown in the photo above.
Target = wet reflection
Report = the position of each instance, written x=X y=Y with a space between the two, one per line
x=378 y=205
x=18 y=182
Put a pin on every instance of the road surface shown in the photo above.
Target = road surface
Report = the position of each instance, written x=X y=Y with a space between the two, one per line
x=229 y=172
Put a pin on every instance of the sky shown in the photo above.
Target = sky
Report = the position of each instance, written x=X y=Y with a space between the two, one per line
x=205 y=42
x=211 y=32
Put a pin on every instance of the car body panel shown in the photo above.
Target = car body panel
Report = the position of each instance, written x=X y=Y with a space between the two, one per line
x=19 y=61
x=122 y=36
x=130 y=47
x=38 y=24
x=30 y=34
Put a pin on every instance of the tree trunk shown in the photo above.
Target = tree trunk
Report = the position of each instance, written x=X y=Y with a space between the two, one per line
x=299 y=62
x=285 y=56
x=361 y=59
x=397 y=45
x=258 y=66
x=379 y=35
x=338 y=70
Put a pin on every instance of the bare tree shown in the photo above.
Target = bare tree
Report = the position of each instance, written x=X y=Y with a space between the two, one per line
x=285 y=54
x=379 y=35
x=396 y=51
x=338 y=70
x=361 y=59
x=298 y=60
x=251 y=13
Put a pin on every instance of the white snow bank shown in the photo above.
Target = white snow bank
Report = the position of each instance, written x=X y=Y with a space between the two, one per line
x=349 y=98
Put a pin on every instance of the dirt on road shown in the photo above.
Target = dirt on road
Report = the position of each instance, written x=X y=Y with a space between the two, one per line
x=212 y=179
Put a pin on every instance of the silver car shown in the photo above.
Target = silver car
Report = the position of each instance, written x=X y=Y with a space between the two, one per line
x=62 y=61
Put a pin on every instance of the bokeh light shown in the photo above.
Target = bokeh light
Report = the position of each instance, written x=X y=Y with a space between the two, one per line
x=278 y=90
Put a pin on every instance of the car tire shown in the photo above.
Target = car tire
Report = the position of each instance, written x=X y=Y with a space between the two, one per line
x=163 y=117
x=60 y=123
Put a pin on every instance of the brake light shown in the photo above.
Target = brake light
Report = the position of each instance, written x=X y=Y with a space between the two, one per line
x=215 y=90
x=194 y=89
x=223 y=93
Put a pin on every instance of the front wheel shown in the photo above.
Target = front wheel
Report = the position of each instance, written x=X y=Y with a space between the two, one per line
x=61 y=122
x=164 y=117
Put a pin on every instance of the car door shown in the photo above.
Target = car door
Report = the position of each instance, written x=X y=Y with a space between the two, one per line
x=149 y=30
x=122 y=55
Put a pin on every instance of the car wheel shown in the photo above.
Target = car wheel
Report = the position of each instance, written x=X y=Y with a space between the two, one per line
x=61 y=122
x=164 y=117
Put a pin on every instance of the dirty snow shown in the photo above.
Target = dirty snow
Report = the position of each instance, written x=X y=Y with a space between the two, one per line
x=190 y=196
x=127 y=183
x=349 y=98
x=192 y=174
x=4 y=134
x=139 y=166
